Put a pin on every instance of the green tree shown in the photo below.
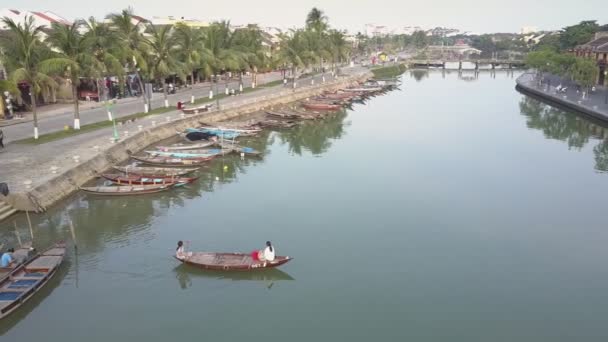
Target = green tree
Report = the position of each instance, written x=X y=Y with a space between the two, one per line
x=191 y=49
x=27 y=52
x=581 y=33
x=128 y=30
x=162 y=53
x=74 y=59
x=419 y=39
x=584 y=72
x=317 y=20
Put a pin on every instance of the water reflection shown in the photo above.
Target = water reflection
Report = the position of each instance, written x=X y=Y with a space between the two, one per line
x=185 y=273
x=573 y=129
x=315 y=136
x=419 y=74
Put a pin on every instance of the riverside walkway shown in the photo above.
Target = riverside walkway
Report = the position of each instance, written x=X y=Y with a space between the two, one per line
x=26 y=167
x=594 y=103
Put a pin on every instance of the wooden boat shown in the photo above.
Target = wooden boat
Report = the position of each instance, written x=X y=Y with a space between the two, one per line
x=320 y=106
x=277 y=124
x=168 y=161
x=202 y=153
x=364 y=89
x=178 y=147
x=141 y=180
x=218 y=133
x=338 y=96
x=126 y=190
x=154 y=171
x=241 y=131
x=230 y=261
x=21 y=255
x=28 y=278
x=281 y=115
x=196 y=110
x=239 y=149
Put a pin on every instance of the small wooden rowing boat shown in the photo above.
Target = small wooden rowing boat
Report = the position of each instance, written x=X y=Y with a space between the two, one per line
x=141 y=180
x=202 y=153
x=320 y=106
x=178 y=147
x=154 y=171
x=20 y=255
x=28 y=278
x=126 y=190
x=169 y=161
x=230 y=261
x=281 y=115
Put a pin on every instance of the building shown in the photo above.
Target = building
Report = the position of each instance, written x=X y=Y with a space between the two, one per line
x=45 y=19
x=171 y=20
x=596 y=49
x=526 y=30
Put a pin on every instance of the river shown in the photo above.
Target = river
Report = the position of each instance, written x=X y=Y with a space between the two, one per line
x=454 y=209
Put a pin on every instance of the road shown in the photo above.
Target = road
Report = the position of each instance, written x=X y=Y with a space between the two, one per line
x=56 y=122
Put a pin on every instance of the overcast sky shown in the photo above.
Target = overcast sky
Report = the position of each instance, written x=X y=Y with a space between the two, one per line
x=468 y=15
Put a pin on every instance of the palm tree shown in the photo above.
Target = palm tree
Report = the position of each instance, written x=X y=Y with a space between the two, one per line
x=219 y=42
x=27 y=52
x=162 y=53
x=103 y=44
x=339 y=47
x=74 y=58
x=191 y=49
x=128 y=29
x=316 y=20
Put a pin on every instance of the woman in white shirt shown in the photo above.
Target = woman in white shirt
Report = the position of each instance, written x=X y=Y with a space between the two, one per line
x=180 y=252
x=268 y=253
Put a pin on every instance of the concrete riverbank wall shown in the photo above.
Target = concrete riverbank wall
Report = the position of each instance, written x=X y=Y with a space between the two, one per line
x=51 y=191
x=526 y=84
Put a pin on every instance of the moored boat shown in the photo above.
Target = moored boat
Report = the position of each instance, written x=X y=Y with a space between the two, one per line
x=218 y=133
x=126 y=190
x=178 y=147
x=169 y=161
x=28 y=278
x=320 y=106
x=154 y=171
x=230 y=261
x=142 y=180
x=201 y=153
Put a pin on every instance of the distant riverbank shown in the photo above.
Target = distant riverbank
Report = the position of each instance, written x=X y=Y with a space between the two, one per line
x=593 y=104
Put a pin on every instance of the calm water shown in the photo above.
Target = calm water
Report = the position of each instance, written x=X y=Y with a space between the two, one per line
x=456 y=209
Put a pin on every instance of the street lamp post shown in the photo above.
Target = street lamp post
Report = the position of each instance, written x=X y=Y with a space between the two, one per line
x=109 y=106
x=217 y=99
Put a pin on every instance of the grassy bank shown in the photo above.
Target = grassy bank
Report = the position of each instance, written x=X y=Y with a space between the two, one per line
x=389 y=71
x=103 y=124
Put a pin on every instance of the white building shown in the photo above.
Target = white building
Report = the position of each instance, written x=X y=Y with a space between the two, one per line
x=528 y=30
x=44 y=19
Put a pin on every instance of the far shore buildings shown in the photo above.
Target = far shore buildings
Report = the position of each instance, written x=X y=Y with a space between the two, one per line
x=596 y=49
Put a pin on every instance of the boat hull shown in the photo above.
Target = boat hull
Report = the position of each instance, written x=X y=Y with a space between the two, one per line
x=27 y=279
x=231 y=261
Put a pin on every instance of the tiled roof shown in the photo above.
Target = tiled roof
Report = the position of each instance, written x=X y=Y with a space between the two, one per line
x=595 y=43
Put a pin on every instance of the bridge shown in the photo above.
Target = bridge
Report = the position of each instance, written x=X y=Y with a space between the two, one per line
x=439 y=63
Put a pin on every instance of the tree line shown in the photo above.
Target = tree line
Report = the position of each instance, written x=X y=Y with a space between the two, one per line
x=124 y=45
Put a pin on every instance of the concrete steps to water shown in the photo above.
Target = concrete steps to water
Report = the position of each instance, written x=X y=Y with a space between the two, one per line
x=6 y=211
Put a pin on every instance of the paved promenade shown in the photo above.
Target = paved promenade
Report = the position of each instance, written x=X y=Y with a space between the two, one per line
x=594 y=103
x=25 y=163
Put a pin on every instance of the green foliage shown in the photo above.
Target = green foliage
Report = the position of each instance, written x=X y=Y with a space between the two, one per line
x=578 y=34
x=389 y=71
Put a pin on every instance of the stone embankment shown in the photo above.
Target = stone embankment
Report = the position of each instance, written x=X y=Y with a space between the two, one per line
x=50 y=189
x=594 y=105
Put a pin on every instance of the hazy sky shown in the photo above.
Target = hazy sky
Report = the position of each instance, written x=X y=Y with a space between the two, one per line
x=469 y=15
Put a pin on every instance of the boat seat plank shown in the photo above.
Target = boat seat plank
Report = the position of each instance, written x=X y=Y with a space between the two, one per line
x=44 y=262
x=21 y=284
x=10 y=295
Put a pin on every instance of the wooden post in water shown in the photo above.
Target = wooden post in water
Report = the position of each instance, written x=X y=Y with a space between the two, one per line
x=73 y=234
x=29 y=223
x=17 y=234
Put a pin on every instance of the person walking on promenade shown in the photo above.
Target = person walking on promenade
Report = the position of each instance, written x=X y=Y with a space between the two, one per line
x=1 y=139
